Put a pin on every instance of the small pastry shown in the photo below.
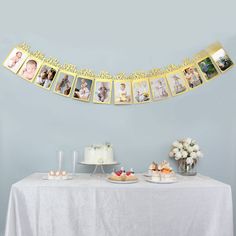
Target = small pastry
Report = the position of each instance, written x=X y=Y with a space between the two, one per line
x=166 y=172
x=116 y=175
x=64 y=175
x=156 y=176
x=130 y=175
x=51 y=175
x=122 y=175
x=152 y=167
x=58 y=175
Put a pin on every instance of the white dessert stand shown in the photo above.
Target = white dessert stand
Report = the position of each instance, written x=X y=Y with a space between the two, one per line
x=99 y=165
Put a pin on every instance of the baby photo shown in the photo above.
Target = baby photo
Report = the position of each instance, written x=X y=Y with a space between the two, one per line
x=123 y=92
x=193 y=77
x=64 y=84
x=222 y=60
x=83 y=89
x=102 y=91
x=15 y=60
x=141 y=91
x=177 y=83
x=29 y=69
x=159 y=88
x=45 y=76
x=207 y=68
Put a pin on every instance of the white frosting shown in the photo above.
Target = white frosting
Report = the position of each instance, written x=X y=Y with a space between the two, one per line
x=163 y=165
x=156 y=177
x=98 y=154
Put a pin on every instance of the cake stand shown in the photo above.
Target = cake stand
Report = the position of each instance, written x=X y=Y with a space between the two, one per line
x=99 y=165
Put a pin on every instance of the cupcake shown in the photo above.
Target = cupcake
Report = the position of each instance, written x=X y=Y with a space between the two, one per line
x=152 y=167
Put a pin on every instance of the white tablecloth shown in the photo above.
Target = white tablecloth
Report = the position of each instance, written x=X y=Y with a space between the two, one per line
x=91 y=206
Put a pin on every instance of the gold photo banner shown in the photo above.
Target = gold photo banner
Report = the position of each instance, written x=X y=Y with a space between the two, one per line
x=137 y=88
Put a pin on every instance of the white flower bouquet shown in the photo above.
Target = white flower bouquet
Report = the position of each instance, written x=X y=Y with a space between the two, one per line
x=187 y=150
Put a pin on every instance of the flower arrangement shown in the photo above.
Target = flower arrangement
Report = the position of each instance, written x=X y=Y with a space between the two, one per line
x=186 y=149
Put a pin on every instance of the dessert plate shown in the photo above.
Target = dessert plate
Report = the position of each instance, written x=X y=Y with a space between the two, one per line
x=68 y=178
x=122 y=182
x=162 y=182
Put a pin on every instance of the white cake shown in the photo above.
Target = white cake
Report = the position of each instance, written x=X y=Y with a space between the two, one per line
x=156 y=176
x=99 y=154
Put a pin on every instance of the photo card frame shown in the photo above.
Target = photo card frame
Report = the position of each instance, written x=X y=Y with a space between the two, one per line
x=65 y=79
x=47 y=73
x=141 y=90
x=103 y=88
x=31 y=66
x=122 y=90
x=159 y=88
x=207 y=67
x=220 y=57
x=193 y=75
x=16 y=58
x=83 y=89
x=176 y=80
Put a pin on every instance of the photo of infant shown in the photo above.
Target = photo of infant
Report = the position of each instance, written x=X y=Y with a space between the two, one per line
x=123 y=92
x=222 y=60
x=193 y=77
x=141 y=91
x=177 y=83
x=159 y=88
x=29 y=69
x=45 y=77
x=64 y=84
x=207 y=68
x=102 y=91
x=15 y=60
x=83 y=89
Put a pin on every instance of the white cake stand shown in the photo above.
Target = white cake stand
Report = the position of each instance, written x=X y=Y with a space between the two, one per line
x=99 y=165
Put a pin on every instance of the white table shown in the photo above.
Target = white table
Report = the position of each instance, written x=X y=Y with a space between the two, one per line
x=91 y=206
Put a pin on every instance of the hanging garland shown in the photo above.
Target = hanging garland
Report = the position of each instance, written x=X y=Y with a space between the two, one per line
x=136 y=88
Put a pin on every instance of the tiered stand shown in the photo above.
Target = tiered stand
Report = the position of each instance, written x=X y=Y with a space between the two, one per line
x=99 y=165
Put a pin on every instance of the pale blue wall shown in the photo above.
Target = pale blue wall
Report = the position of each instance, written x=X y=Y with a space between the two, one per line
x=115 y=36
